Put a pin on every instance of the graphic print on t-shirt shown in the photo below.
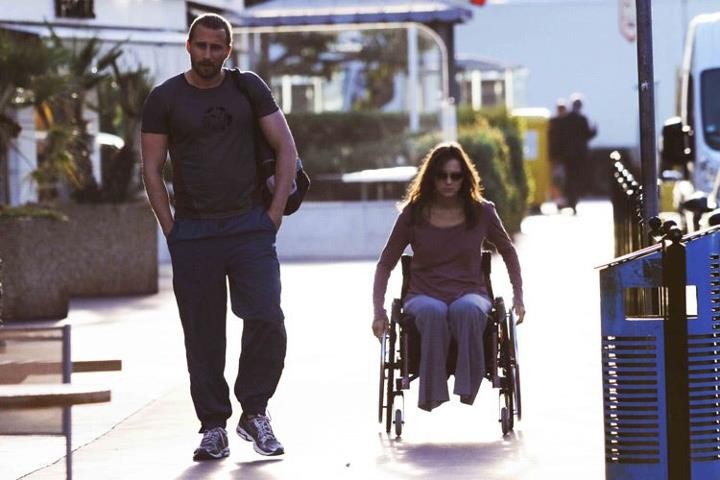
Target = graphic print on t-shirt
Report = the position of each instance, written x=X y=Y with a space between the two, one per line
x=216 y=119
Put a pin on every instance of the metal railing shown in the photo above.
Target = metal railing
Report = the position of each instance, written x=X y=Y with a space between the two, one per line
x=626 y=197
x=630 y=235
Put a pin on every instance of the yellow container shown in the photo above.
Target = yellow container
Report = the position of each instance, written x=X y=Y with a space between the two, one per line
x=534 y=123
x=667 y=192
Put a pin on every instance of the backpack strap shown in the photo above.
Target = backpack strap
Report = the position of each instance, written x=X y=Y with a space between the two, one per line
x=264 y=151
x=239 y=79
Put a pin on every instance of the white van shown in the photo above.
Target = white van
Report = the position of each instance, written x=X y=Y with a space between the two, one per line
x=700 y=105
x=692 y=141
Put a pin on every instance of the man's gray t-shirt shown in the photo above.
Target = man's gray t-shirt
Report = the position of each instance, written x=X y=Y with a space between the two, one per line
x=210 y=136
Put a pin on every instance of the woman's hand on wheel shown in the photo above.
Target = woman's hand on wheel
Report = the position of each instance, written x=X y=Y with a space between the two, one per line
x=519 y=313
x=380 y=326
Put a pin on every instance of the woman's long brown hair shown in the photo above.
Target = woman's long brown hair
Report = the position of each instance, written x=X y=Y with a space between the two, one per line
x=421 y=191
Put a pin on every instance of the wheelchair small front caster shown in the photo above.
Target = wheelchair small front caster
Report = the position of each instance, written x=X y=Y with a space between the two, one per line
x=398 y=422
x=505 y=421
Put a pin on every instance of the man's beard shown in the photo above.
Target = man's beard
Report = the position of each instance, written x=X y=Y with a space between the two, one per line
x=206 y=70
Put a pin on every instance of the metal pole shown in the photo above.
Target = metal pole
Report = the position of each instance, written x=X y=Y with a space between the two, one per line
x=67 y=412
x=677 y=391
x=413 y=78
x=646 y=82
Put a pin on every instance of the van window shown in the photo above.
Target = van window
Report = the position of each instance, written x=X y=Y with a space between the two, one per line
x=710 y=101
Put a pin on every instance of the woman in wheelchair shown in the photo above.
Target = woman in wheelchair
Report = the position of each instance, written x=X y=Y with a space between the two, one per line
x=446 y=220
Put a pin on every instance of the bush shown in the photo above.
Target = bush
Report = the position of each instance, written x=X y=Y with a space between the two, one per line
x=341 y=142
x=512 y=132
x=487 y=148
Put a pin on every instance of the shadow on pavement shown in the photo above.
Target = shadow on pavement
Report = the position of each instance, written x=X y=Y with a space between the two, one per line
x=202 y=470
x=426 y=459
x=254 y=469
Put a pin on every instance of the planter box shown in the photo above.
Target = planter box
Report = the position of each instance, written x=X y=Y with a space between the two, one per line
x=32 y=275
x=102 y=250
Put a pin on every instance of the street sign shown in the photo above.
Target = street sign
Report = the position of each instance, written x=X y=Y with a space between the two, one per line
x=627 y=19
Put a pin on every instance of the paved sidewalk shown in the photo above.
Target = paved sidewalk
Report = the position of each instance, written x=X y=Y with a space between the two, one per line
x=325 y=410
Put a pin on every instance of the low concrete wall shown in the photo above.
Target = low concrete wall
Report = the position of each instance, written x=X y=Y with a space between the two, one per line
x=330 y=230
x=336 y=230
x=102 y=250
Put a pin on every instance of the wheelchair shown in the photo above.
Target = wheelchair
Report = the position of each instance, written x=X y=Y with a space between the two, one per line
x=400 y=357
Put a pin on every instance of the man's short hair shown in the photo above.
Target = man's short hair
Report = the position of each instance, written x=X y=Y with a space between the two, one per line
x=212 y=21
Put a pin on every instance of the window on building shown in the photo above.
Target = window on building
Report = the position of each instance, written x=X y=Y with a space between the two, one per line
x=493 y=93
x=710 y=104
x=466 y=92
x=74 y=9
x=303 y=98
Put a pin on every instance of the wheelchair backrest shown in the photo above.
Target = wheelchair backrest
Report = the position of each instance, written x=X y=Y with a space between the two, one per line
x=405 y=262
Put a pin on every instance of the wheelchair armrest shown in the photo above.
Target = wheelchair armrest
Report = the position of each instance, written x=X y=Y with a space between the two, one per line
x=499 y=306
x=405 y=262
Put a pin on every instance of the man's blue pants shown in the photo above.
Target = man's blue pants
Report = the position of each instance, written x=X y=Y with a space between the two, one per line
x=207 y=255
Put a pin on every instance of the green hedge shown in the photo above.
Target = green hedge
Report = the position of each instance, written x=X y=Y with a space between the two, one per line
x=512 y=132
x=341 y=142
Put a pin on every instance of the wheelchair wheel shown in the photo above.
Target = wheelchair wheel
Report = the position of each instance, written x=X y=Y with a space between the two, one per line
x=515 y=365
x=390 y=386
x=398 y=422
x=389 y=394
x=507 y=380
x=383 y=349
x=516 y=391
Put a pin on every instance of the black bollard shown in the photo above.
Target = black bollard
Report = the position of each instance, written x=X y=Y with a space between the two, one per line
x=677 y=390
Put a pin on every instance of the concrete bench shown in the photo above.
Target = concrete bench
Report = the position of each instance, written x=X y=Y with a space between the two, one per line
x=12 y=372
x=43 y=395
x=20 y=359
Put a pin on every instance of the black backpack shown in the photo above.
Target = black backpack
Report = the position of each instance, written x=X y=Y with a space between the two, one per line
x=265 y=158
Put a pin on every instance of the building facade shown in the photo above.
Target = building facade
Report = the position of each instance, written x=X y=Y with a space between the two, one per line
x=152 y=34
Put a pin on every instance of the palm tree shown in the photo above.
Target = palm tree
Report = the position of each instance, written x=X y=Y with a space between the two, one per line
x=121 y=99
x=22 y=58
x=83 y=69
x=55 y=76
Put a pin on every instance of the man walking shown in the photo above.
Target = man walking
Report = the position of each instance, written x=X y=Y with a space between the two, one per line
x=578 y=133
x=557 y=142
x=221 y=232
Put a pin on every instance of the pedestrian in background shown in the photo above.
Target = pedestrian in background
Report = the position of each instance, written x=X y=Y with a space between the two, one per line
x=446 y=221
x=557 y=145
x=221 y=233
x=578 y=132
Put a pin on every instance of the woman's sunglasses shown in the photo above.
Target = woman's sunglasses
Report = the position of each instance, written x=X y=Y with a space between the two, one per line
x=452 y=176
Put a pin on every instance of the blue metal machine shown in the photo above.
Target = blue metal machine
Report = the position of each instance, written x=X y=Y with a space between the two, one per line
x=657 y=425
